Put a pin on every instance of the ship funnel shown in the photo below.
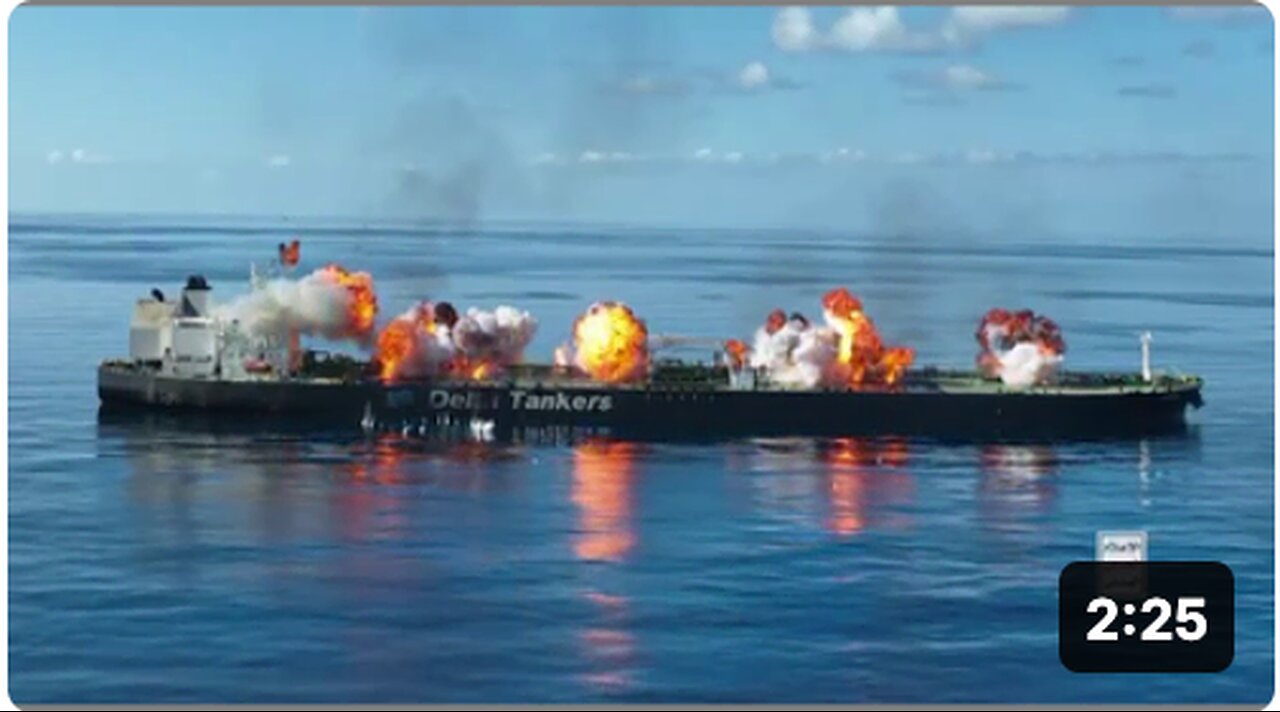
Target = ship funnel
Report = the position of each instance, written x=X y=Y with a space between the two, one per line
x=195 y=297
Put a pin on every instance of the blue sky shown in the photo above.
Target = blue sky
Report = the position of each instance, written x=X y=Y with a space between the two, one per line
x=1090 y=120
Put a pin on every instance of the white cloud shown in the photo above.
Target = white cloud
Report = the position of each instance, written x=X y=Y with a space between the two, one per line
x=986 y=156
x=750 y=78
x=76 y=155
x=970 y=22
x=706 y=155
x=1154 y=90
x=279 y=160
x=753 y=76
x=953 y=79
x=882 y=29
x=966 y=76
x=871 y=29
x=614 y=157
x=842 y=158
x=793 y=30
x=646 y=84
x=842 y=155
x=1219 y=14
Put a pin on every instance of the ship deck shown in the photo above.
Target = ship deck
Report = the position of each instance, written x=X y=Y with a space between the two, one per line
x=682 y=377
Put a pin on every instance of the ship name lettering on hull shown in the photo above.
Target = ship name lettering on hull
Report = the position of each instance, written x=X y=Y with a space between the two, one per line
x=441 y=400
x=523 y=400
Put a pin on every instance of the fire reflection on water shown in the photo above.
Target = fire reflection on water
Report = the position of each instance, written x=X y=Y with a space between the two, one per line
x=609 y=647
x=603 y=473
x=865 y=477
x=843 y=486
x=603 y=479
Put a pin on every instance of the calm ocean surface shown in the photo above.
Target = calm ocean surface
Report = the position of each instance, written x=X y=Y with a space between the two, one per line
x=149 y=561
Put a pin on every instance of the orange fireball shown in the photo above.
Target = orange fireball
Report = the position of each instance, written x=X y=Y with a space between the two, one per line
x=775 y=321
x=290 y=253
x=1002 y=329
x=738 y=352
x=611 y=343
x=399 y=343
x=411 y=345
x=396 y=344
x=861 y=351
x=362 y=306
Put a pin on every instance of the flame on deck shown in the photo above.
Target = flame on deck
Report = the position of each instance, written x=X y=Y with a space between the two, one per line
x=399 y=342
x=431 y=339
x=738 y=352
x=863 y=356
x=1021 y=347
x=362 y=301
x=611 y=343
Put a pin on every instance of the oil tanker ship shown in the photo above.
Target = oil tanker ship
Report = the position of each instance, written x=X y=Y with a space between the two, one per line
x=245 y=360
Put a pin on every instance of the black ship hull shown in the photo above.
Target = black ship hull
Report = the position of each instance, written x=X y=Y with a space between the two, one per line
x=914 y=410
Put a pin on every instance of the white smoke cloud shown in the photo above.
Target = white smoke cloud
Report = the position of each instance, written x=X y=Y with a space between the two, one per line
x=490 y=339
x=1021 y=347
x=315 y=305
x=431 y=348
x=499 y=336
x=1026 y=364
x=798 y=354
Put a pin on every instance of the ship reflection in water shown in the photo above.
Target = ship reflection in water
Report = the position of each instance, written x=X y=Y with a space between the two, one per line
x=842 y=485
x=1018 y=484
x=301 y=484
x=537 y=547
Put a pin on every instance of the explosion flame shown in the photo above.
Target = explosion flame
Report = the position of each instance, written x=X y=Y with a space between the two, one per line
x=362 y=304
x=290 y=253
x=610 y=343
x=402 y=343
x=861 y=350
x=331 y=302
x=432 y=340
x=738 y=351
x=847 y=351
x=1020 y=347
